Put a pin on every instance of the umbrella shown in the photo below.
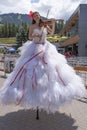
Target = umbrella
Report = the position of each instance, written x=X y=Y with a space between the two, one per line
x=11 y=50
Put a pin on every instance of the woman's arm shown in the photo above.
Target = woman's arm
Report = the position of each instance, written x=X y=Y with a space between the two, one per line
x=31 y=32
x=51 y=28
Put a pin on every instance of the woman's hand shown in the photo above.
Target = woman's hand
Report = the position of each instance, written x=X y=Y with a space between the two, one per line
x=52 y=20
x=51 y=29
x=37 y=35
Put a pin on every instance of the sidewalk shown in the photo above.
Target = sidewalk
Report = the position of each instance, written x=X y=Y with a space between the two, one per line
x=69 y=117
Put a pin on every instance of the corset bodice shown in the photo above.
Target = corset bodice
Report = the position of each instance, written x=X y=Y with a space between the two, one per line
x=43 y=32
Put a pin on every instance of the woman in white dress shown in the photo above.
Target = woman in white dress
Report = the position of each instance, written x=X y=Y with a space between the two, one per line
x=42 y=76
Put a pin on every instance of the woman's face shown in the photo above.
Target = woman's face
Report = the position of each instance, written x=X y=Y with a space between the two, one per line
x=36 y=16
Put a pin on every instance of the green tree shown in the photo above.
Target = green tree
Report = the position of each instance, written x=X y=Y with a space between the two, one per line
x=58 y=26
x=2 y=32
x=6 y=32
x=21 y=36
x=9 y=29
x=13 y=30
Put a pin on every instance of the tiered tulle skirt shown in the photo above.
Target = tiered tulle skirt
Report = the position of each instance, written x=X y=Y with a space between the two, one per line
x=41 y=77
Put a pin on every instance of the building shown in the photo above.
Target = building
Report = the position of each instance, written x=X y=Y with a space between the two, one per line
x=76 y=30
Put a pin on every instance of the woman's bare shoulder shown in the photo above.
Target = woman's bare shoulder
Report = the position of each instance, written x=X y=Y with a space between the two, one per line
x=32 y=26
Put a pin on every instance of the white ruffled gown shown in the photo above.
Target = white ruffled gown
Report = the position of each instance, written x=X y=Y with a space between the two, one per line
x=41 y=77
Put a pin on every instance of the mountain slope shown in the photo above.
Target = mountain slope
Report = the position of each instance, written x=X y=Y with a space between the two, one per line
x=14 y=18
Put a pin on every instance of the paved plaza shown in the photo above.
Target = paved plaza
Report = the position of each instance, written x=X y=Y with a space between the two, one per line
x=70 y=117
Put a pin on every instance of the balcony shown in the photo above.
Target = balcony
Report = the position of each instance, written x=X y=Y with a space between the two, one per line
x=70 y=41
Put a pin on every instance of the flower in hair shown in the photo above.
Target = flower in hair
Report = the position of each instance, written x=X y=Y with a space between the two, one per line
x=31 y=14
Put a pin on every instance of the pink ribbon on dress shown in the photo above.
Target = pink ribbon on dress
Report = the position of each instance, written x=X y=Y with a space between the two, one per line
x=22 y=70
x=23 y=67
x=34 y=77
x=22 y=88
x=40 y=43
x=60 y=77
x=34 y=74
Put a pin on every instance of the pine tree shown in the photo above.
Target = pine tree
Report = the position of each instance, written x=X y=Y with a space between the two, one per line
x=21 y=36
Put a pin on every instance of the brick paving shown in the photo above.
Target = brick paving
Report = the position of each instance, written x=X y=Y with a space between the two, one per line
x=72 y=116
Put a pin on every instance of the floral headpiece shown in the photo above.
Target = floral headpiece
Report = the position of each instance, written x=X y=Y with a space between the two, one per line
x=31 y=15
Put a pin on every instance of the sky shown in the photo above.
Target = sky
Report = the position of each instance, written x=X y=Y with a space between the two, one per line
x=58 y=9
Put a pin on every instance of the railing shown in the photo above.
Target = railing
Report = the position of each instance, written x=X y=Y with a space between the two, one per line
x=6 y=67
x=7 y=63
x=82 y=71
x=77 y=61
x=80 y=66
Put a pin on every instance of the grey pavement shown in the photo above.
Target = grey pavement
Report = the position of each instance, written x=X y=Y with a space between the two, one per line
x=72 y=116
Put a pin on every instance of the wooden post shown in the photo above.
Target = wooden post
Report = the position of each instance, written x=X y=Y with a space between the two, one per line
x=37 y=116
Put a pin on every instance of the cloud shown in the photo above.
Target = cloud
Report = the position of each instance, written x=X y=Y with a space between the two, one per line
x=8 y=3
x=10 y=6
x=34 y=1
x=58 y=8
